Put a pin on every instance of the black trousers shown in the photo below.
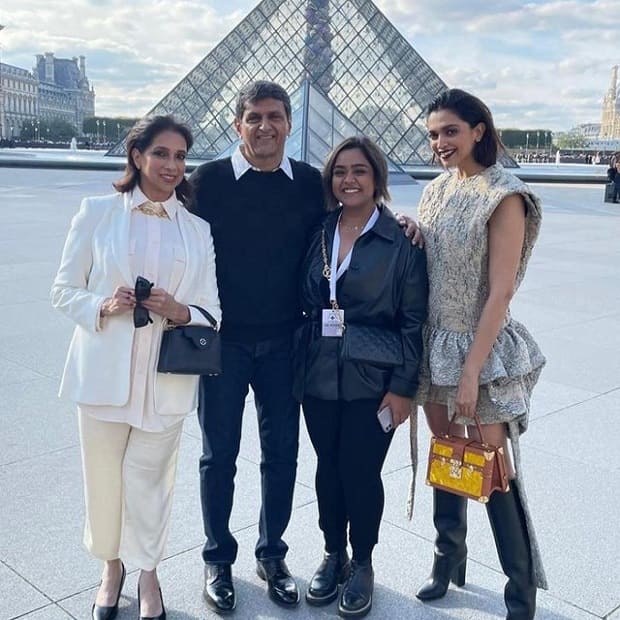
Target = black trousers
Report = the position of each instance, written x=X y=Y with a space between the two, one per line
x=267 y=367
x=351 y=447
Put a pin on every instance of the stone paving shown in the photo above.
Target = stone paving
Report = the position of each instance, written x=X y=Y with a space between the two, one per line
x=570 y=300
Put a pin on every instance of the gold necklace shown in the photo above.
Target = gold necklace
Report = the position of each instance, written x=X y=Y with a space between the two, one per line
x=153 y=208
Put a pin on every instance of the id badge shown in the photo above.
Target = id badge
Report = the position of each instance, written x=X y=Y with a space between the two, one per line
x=333 y=321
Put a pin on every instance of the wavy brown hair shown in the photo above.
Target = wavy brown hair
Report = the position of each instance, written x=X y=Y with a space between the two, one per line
x=140 y=137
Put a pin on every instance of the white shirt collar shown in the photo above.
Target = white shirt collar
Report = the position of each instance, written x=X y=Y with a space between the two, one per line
x=138 y=198
x=241 y=165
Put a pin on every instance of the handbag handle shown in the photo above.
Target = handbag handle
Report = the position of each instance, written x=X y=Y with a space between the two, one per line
x=478 y=426
x=206 y=315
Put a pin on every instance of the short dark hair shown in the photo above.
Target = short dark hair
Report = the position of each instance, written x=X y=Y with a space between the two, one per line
x=140 y=137
x=262 y=89
x=473 y=111
x=375 y=158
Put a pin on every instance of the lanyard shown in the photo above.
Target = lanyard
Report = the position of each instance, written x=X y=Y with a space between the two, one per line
x=335 y=271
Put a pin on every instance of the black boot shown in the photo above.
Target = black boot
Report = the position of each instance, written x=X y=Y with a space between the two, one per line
x=333 y=570
x=450 y=518
x=513 y=548
x=356 y=597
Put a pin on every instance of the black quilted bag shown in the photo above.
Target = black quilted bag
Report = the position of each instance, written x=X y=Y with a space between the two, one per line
x=191 y=349
x=372 y=345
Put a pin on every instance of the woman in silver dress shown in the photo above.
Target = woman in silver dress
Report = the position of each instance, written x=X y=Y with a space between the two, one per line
x=480 y=224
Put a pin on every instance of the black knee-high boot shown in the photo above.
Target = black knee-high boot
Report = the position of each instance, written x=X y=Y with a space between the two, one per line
x=450 y=518
x=513 y=548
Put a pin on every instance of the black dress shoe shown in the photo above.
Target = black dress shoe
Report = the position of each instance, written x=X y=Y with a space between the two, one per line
x=109 y=613
x=219 y=592
x=281 y=586
x=333 y=570
x=356 y=597
x=162 y=615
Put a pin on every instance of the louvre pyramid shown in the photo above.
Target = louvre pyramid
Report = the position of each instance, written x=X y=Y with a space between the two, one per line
x=317 y=128
x=349 y=52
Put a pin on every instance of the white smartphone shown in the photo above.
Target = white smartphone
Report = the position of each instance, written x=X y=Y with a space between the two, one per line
x=385 y=419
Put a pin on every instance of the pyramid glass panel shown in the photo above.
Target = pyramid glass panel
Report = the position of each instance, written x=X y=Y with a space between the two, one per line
x=352 y=57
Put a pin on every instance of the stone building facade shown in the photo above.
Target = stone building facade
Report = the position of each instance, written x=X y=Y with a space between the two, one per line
x=19 y=99
x=64 y=90
x=56 y=88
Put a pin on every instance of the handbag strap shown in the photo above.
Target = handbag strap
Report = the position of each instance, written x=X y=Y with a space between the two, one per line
x=206 y=315
x=478 y=425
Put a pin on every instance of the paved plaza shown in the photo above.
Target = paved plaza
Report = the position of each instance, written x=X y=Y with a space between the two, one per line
x=570 y=300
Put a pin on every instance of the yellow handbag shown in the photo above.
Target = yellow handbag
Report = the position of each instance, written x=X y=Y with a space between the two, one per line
x=466 y=467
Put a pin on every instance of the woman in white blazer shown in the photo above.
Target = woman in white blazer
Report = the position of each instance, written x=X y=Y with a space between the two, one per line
x=130 y=416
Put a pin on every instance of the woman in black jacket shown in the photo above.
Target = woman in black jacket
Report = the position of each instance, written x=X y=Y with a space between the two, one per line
x=364 y=293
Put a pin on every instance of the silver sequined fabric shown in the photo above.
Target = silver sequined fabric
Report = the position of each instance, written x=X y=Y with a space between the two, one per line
x=453 y=216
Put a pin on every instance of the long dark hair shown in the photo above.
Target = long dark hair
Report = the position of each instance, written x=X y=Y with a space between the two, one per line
x=140 y=137
x=473 y=111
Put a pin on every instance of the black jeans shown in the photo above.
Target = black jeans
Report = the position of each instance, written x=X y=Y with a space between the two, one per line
x=351 y=448
x=267 y=367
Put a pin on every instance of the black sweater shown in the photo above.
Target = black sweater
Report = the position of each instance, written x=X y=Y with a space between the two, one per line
x=260 y=226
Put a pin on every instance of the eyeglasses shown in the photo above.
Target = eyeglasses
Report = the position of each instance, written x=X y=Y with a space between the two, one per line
x=141 y=316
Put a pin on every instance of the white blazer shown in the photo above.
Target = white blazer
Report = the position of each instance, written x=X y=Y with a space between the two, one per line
x=95 y=260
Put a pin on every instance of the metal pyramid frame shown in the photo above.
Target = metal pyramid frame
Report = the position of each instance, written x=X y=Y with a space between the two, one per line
x=317 y=128
x=347 y=50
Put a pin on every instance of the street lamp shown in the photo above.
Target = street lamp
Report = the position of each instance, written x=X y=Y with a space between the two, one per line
x=97 y=123
x=118 y=131
x=527 y=146
x=537 y=141
x=104 y=136
x=37 y=132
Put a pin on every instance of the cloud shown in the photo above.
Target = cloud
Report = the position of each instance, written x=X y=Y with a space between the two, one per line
x=545 y=58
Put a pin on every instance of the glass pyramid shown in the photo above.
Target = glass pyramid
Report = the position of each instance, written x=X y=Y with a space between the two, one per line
x=348 y=51
x=317 y=128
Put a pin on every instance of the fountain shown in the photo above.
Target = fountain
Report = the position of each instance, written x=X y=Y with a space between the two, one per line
x=73 y=145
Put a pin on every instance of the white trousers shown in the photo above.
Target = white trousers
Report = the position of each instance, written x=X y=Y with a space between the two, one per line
x=129 y=479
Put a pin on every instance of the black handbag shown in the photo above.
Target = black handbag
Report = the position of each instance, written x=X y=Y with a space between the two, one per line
x=191 y=349
x=372 y=345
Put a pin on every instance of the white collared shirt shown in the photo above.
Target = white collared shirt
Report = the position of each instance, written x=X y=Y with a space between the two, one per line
x=241 y=165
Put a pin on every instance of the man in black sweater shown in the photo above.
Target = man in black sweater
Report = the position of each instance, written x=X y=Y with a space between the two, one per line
x=261 y=207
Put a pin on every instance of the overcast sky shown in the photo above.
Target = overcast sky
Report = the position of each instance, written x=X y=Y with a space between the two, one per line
x=540 y=64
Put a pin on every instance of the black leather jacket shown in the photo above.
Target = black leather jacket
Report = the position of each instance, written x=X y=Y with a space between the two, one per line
x=385 y=286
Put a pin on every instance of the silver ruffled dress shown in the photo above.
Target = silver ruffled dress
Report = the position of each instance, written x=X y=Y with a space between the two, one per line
x=453 y=217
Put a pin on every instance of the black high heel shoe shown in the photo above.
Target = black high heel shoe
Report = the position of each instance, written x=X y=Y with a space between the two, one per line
x=100 y=612
x=162 y=615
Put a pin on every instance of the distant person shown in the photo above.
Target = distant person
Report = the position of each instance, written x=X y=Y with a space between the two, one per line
x=479 y=223
x=359 y=262
x=616 y=180
x=130 y=416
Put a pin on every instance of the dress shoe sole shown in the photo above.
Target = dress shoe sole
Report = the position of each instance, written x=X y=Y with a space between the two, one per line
x=221 y=611
x=355 y=613
x=319 y=601
x=274 y=597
